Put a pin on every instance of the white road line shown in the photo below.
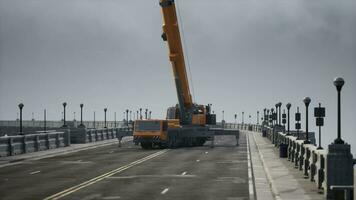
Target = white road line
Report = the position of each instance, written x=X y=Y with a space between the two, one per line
x=103 y=176
x=79 y=160
x=206 y=152
x=165 y=191
x=35 y=172
x=198 y=160
x=184 y=173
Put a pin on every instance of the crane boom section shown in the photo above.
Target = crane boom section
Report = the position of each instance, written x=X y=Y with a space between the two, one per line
x=171 y=34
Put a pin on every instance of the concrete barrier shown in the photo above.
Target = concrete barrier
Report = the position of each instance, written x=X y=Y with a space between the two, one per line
x=84 y=135
x=331 y=170
x=20 y=144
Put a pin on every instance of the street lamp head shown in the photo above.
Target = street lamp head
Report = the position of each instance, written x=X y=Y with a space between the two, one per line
x=105 y=109
x=307 y=101
x=258 y=112
x=21 y=105
x=339 y=82
x=272 y=109
x=279 y=104
x=127 y=110
x=288 y=106
x=276 y=105
x=64 y=104
x=81 y=105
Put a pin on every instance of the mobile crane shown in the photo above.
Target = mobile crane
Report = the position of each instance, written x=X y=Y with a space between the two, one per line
x=187 y=123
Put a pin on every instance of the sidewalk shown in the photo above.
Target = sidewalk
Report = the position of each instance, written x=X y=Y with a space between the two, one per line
x=18 y=159
x=276 y=178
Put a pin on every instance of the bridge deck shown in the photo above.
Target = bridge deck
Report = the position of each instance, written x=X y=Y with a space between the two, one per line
x=109 y=172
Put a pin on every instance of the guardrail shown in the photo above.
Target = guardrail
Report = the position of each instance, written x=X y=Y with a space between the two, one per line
x=20 y=144
x=331 y=170
x=84 y=135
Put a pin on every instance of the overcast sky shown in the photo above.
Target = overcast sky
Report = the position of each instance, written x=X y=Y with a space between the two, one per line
x=244 y=55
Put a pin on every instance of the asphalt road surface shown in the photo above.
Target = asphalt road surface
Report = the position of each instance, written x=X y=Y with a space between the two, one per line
x=130 y=172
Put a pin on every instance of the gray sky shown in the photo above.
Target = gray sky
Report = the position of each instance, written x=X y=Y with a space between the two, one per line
x=244 y=55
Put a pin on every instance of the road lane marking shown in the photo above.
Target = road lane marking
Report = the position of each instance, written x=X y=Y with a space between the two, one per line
x=198 y=160
x=153 y=176
x=184 y=173
x=165 y=191
x=35 y=172
x=103 y=176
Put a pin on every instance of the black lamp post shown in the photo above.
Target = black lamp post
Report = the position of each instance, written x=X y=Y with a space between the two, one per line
x=115 y=119
x=21 y=107
x=141 y=113
x=306 y=101
x=235 y=118
x=258 y=117
x=243 y=116
x=127 y=117
x=276 y=114
x=44 y=121
x=105 y=109
x=264 y=115
x=81 y=115
x=130 y=115
x=279 y=107
x=64 y=115
x=339 y=82
x=146 y=112
x=150 y=114
x=94 y=120
x=272 y=115
x=288 y=115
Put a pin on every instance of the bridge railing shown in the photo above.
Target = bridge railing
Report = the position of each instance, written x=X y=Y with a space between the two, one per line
x=331 y=170
x=20 y=144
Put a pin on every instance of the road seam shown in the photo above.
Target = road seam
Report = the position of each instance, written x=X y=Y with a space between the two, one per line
x=103 y=176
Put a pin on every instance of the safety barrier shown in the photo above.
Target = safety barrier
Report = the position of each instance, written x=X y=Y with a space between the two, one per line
x=84 y=135
x=20 y=144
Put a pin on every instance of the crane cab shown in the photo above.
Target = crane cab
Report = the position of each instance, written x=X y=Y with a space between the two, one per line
x=150 y=133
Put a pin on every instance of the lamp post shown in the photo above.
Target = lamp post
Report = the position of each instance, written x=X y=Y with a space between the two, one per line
x=272 y=115
x=146 y=112
x=223 y=115
x=141 y=113
x=21 y=107
x=81 y=115
x=288 y=121
x=243 y=116
x=64 y=115
x=276 y=114
x=94 y=120
x=306 y=101
x=115 y=119
x=44 y=121
x=339 y=82
x=150 y=114
x=258 y=117
x=105 y=109
x=127 y=117
x=235 y=118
